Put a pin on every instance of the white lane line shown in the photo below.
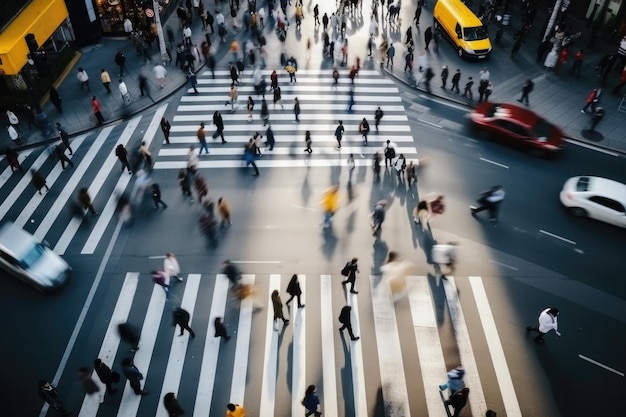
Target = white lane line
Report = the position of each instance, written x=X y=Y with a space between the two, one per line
x=392 y=379
x=293 y=127
x=298 y=363
x=327 y=321
x=129 y=406
x=226 y=81
x=288 y=98
x=302 y=72
x=282 y=116
x=208 y=368
x=432 y=362
x=268 y=386
x=430 y=123
x=505 y=382
x=111 y=341
x=318 y=150
x=591 y=147
x=193 y=139
x=277 y=163
x=178 y=349
x=608 y=368
x=504 y=265
x=557 y=237
x=70 y=231
x=256 y=262
x=357 y=108
x=156 y=257
x=356 y=360
x=244 y=328
x=494 y=163
x=464 y=344
x=7 y=173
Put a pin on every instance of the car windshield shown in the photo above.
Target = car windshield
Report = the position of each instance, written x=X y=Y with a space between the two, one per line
x=491 y=110
x=32 y=256
x=583 y=184
x=475 y=34
x=543 y=130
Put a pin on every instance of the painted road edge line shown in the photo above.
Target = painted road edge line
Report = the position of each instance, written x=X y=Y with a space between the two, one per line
x=608 y=368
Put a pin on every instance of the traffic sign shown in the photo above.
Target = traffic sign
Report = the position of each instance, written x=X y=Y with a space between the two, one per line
x=149 y=12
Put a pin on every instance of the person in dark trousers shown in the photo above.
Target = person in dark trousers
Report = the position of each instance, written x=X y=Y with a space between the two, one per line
x=277 y=306
x=269 y=134
x=65 y=138
x=122 y=155
x=13 y=159
x=548 y=320
x=120 y=60
x=95 y=106
x=87 y=382
x=193 y=81
x=349 y=271
x=85 y=200
x=490 y=200
x=339 y=133
x=171 y=405
x=144 y=87
x=458 y=400
x=294 y=290
x=49 y=394
x=181 y=318
x=296 y=109
x=468 y=88
x=364 y=129
x=133 y=375
x=59 y=151
x=232 y=273
x=526 y=89
x=390 y=153
x=156 y=196
x=165 y=128
x=592 y=100
x=202 y=139
x=598 y=115
x=311 y=402
x=444 y=77
x=378 y=115
x=249 y=155
x=38 y=181
x=456 y=78
x=517 y=44
x=346 y=320
x=220 y=329
x=56 y=100
x=129 y=334
x=219 y=126
x=307 y=141
x=428 y=36
x=106 y=375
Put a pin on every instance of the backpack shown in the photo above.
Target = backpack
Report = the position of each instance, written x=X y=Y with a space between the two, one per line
x=390 y=152
x=222 y=30
x=346 y=270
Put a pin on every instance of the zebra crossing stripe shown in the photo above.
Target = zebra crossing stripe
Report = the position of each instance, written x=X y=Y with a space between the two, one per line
x=328 y=72
x=289 y=91
x=472 y=379
x=393 y=382
x=368 y=109
x=242 y=349
x=226 y=82
x=511 y=404
x=329 y=377
x=296 y=127
x=356 y=361
x=243 y=139
x=270 y=360
x=298 y=364
x=393 y=97
x=276 y=163
x=8 y=173
x=176 y=359
x=111 y=341
x=208 y=369
x=322 y=150
x=431 y=360
x=284 y=115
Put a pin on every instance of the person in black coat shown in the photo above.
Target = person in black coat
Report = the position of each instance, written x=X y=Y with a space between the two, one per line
x=56 y=100
x=219 y=125
x=269 y=134
x=106 y=375
x=458 y=400
x=181 y=318
x=65 y=138
x=294 y=290
x=129 y=334
x=428 y=36
x=220 y=328
x=59 y=151
x=349 y=271
x=346 y=321
x=156 y=196
x=171 y=405
x=133 y=375
x=49 y=394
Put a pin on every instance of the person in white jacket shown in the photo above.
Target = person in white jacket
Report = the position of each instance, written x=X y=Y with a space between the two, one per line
x=171 y=266
x=547 y=321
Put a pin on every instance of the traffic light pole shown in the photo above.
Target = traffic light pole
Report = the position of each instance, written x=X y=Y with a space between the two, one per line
x=157 y=20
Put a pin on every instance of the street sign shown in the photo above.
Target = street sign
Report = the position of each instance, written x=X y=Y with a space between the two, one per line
x=149 y=12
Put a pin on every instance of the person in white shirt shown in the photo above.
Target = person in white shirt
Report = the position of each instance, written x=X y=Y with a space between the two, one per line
x=187 y=36
x=124 y=91
x=160 y=73
x=83 y=78
x=171 y=266
x=219 y=18
x=128 y=26
x=547 y=321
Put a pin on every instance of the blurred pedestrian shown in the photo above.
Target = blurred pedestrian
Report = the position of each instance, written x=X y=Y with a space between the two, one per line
x=107 y=376
x=526 y=90
x=56 y=100
x=277 y=306
x=223 y=208
x=235 y=410
x=269 y=134
x=592 y=100
x=181 y=318
x=277 y=97
x=202 y=139
x=265 y=111
x=458 y=400
x=171 y=266
x=220 y=328
x=378 y=115
x=455 y=380
x=13 y=160
x=165 y=128
x=548 y=320
x=156 y=196
x=65 y=139
x=95 y=106
x=351 y=166
x=219 y=126
x=59 y=151
x=87 y=382
x=307 y=141
x=193 y=81
x=349 y=271
x=579 y=57
x=456 y=78
x=83 y=78
x=145 y=153
x=294 y=290
x=162 y=279
x=49 y=394
x=468 y=88
x=122 y=155
x=330 y=204
x=339 y=133
x=491 y=200
x=144 y=87
x=444 y=76
x=133 y=375
x=124 y=92
x=171 y=405
x=428 y=36
x=296 y=109
x=311 y=402
x=346 y=322
x=38 y=181
x=120 y=60
x=85 y=200
x=234 y=95
x=160 y=73
x=364 y=129
x=129 y=334
x=105 y=79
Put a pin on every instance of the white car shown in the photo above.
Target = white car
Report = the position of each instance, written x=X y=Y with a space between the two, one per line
x=25 y=257
x=595 y=197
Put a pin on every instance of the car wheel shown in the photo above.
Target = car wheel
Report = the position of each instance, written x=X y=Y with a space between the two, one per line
x=577 y=211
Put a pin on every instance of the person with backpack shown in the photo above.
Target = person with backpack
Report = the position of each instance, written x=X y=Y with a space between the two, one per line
x=378 y=115
x=389 y=150
x=349 y=271
x=364 y=129
x=339 y=133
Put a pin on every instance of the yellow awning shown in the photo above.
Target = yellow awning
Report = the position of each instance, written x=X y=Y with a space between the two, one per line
x=41 y=18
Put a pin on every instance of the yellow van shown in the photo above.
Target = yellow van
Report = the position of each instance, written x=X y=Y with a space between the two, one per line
x=463 y=28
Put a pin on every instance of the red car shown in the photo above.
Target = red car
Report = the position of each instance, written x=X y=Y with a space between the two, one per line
x=519 y=127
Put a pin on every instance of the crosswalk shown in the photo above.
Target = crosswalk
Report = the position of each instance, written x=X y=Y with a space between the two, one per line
x=322 y=105
x=267 y=370
x=50 y=216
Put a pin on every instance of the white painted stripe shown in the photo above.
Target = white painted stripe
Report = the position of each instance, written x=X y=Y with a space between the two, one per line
x=270 y=359
x=393 y=383
x=284 y=81
x=111 y=341
x=601 y=365
x=505 y=382
x=373 y=138
x=130 y=401
x=277 y=163
x=244 y=327
x=429 y=352
x=571 y=242
x=296 y=148
x=111 y=205
x=464 y=344
x=301 y=90
x=51 y=178
x=593 y=148
x=71 y=185
x=278 y=115
x=300 y=128
x=7 y=173
x=70 y=231
x=298 y=364
x=303 y=98
x=356 y=361
x=327 y=321
x=208 y=369
x=489 y=161
x=176 y=360
x=301 y=72
x=357 y=108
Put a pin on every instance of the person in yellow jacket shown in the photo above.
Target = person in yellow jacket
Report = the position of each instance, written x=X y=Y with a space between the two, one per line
x=330 y=204
x=235 y=410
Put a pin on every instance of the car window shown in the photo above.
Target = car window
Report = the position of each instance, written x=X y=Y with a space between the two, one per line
x=457 y=29
x=582 y=184
x=543 y=130
x=475 y=34
x=608 y=202
x=511 y=127
x=32 y=256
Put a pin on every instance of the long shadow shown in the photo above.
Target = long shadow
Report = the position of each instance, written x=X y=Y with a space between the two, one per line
x=346 y=379
x=330 y=241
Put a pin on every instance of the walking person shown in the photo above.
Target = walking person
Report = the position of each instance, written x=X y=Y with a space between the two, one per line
x=105 y=79
x=83 y=79
x=124 y=92
x=95 y=106
x=133 y=376
x=296 y=109
x=13 y=160
x=294 y=290
x=171 y=266
x=129 y=334
x=143 y=86
x=592 y=100
x=250 y=108
x=50 y=395
x=120 y=61
x=330 y=203
x=351 y=166
x=598 y=115
x=219 y=126
x=391 y=52
x=181 y=318
x=346 y=321
x=146 y=155
x=526 y=90
x=160 y=73
x=307 y=141
x=428 y=36
x=490 y=200
x=456 y=78
x=85 y=200
x=122 y=155
x=65 y=139
x=455 y=380
x=38 y=181
x=364 y=129
x=234 y=95
x=202 y=139
x=269 y=134
x=165 y=128
x=265 y=111
x=106 y=375
x=277 y=305
x=87 y=382
x=277 y=97
x=223 y=208
x=548 y=320
x=171 y=405
x=390 y=152
x=349 y=271
x=193 y=81
x=156 y=196
x=378 y=115
x=235 y=410
x=339 y=133
x=311 y=402
x=59 y=151
x=458 y=400
x=56 y=100
x=162 y=279
x=220 y=329
x=468 y=88
x=249 y=156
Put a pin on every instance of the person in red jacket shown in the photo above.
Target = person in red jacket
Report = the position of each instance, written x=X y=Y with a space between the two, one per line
x=96 y=110
x=592 y=99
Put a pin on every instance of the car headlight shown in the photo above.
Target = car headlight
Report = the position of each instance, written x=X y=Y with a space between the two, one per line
x=469 y=50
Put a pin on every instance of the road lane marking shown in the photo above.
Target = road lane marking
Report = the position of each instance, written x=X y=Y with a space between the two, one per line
x=298 y=349
x=430 y=123
x=504 y=265
x=503 y=375
x=244 y=327
x=608 y=368
x=557 y=237
x=356 y=359
x=329 y=378
x=591 y=147
x=494 y=163
x=270 y=359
